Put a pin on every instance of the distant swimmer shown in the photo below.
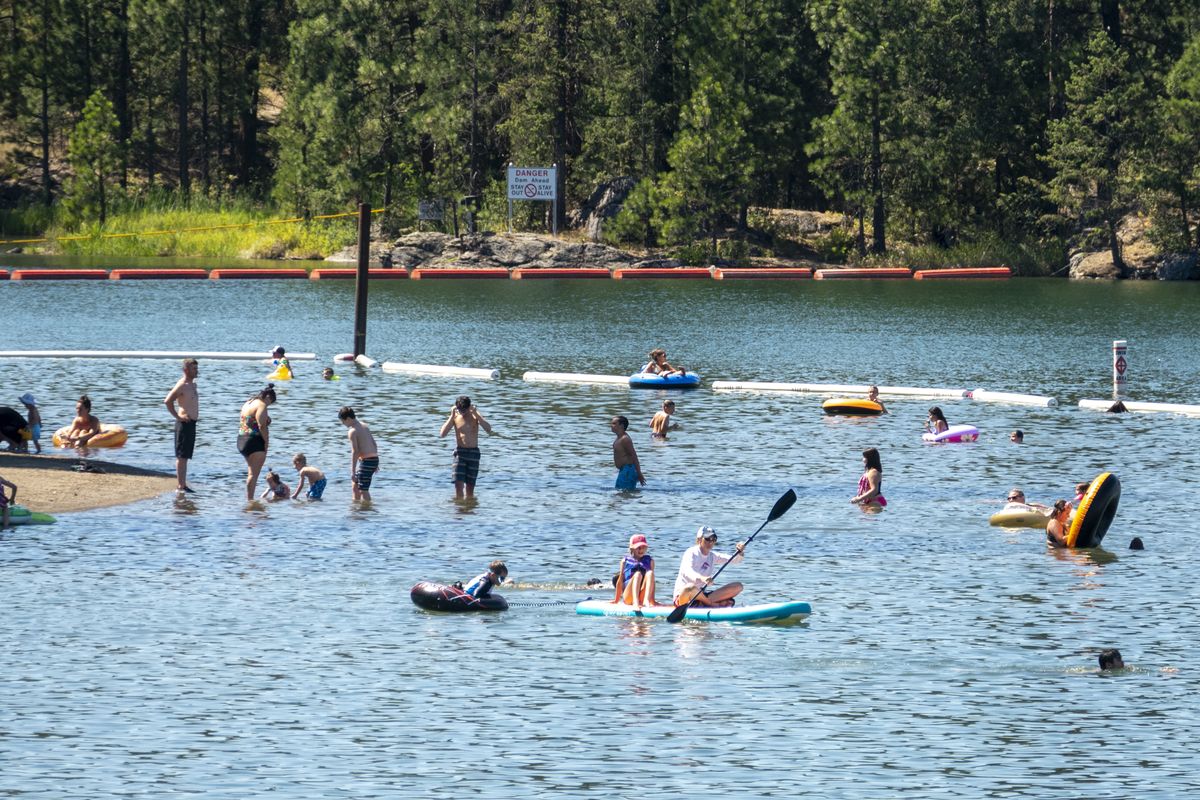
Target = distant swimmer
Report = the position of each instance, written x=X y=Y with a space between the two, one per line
x=936 y=422
x=659 y=365
x=873 y=396
x=662 y=420
x=629 y=470
x=328 y=375
x=1017 y=502
x=1017 y=437
x=283 y=367
x=871 y=482
x=1111 y=660
x=1136 y=543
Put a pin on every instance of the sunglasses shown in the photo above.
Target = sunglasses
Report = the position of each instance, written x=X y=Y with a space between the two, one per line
x=1016 y=497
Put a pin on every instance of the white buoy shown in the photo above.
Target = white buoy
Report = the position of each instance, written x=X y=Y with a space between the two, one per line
x=365 y=361
x=574 y=377
x=163 y=354
x=839 y=389
x=437 y=369
x=984 y=396
x=1167 y=408
x=343 y=357
x=1120 y=367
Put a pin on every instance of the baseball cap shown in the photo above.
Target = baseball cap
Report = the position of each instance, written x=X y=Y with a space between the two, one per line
x=705 y=532
x=638 y=539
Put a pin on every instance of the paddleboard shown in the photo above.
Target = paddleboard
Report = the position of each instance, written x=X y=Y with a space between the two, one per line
x=19 y=515
x=763 y=612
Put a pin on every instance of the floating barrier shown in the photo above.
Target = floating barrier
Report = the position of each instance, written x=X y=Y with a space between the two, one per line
x=365 y=361
x=984 y=396
x=889 y=273
x=546 y=274
x=435 y=369
x=258 y=274
x=166 y=354
x=1166 y=408
x=350 y=273
x=780 y=274
x=59 y=275
x=655 y=272
x=456 y=274
x=993 y=273
x=839 y=388
x=3 y=274
x=156 y=274
x=575 y=377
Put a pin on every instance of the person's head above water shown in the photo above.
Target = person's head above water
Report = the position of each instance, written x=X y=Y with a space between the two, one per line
x=872 y=392
x=498 y=569
x=1136 y=543
x=1111 y=659
x=1017 y=436
x=345 y=413
x=84 y=404
x=327 y=373
x=278 y=351
x=1016 y=495
x=935 y=413
x=463 y=403
x=657 y=353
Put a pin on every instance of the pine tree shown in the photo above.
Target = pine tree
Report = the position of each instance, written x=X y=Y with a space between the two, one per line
x=95 y=156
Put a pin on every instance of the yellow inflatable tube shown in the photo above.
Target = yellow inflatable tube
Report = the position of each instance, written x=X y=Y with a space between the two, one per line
x=109 y=436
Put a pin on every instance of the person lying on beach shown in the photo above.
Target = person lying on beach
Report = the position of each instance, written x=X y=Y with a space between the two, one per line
x=84 y=426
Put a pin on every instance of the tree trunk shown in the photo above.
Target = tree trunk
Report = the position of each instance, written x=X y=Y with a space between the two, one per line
x=1110 y=18
x=205 y=173
x=121 y=90
x=181 y=94
x=878 y=214
x=248 y=113
x=47 y=194
x=560 y=114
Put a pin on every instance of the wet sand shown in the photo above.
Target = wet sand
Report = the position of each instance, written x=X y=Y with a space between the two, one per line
x=54 y=483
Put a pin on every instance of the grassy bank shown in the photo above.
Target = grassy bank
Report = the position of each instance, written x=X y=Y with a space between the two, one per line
x=168 y=228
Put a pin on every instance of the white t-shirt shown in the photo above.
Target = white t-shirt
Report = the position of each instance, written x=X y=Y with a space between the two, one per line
x=695 y=567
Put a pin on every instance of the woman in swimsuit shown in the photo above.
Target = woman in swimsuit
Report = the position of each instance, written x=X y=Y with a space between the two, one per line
x=1059 y=524
x=871 y=482
x=84 y=426
x=254 y=435
x=659 y=364
x=938 y=421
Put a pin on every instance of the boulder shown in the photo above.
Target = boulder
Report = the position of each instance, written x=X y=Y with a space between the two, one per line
x=506 y=250
x=604 y=203
x=1178 y=267
x=1097 y=265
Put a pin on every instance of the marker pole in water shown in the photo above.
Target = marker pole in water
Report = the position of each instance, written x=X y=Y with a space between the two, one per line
x=1120 y=367
x=361 y=280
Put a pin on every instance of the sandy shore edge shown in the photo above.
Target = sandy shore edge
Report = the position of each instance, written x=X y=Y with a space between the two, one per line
x=54 y=484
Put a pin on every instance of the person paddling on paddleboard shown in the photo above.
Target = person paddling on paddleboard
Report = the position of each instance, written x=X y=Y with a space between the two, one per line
x=696 y=571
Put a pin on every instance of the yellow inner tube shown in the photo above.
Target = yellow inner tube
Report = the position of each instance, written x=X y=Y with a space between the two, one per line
x=1095 y=512
x=109 y=436
x=851 y=405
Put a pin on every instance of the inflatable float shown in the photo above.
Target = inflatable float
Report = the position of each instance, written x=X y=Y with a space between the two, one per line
x=1019 y=515
x=1095 y=512
x=20 y=515
x=852 y=406
x=650 y=380
x=953 y=434
x=763 y=612
x=109 y=436
x=440 y=597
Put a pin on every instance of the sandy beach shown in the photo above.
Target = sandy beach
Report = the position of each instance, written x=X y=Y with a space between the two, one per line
x=53 y=483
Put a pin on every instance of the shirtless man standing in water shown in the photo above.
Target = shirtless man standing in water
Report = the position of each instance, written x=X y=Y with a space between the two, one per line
x=629 y=471
x=466 y=421
x=186 y=396
x=364 y=455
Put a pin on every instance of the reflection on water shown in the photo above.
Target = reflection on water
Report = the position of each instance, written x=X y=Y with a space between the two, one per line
x=186 y=645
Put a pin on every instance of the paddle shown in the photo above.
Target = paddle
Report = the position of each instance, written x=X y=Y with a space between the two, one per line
x=778 y=510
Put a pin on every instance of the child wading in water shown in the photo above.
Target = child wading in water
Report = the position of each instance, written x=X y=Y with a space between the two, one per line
x=276 y=488
x=35 y=420
x=662 y=420
x=635 y=581
x=629 y=470
x=466 y=421
x=364 y=455
x=314 y=476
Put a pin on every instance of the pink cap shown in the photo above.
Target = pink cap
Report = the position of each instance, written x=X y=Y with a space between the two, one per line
x=638 y=539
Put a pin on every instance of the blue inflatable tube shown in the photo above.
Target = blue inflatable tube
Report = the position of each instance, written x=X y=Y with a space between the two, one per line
x=649 y=380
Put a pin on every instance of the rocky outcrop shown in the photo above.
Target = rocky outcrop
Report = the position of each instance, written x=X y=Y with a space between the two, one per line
x=427 y=250
x=604 y=203
x=1095 y=265
x=1138 y=253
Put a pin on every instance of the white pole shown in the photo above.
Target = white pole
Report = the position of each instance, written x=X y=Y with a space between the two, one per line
x=1120 y=368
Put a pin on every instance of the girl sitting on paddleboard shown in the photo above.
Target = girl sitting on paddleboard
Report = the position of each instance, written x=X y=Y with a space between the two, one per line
x=635 y=580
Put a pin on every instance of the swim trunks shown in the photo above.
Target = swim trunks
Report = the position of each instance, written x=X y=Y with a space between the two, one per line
x=627 y=477
x=185 y=438
x=251 y=443
x=367 y=467
x=36 y=430
x=316 y=489
x=466 y=465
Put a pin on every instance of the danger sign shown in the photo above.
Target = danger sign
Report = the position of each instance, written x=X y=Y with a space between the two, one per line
x=532 y=183
x=1120 y=365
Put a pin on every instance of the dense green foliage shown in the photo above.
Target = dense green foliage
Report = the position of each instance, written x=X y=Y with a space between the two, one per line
x=935 y=123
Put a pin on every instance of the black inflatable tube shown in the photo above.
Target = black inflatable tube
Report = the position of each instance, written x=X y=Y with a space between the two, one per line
x=1095 y=513
x=440 y=597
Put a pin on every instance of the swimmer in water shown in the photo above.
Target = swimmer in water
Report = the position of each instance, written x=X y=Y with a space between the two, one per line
x=662 y=420
x=936 y=423
x=1110 y=659
x=1060 y=521
x=873 y=396
x=1017 y=437
x=328 y=375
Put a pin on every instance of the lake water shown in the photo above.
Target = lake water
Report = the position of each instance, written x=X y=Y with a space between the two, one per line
x=198 y=648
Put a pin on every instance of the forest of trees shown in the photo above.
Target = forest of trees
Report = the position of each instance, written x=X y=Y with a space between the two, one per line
x=937 y=121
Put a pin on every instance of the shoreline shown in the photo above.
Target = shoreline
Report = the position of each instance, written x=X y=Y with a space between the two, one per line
x=53 y=484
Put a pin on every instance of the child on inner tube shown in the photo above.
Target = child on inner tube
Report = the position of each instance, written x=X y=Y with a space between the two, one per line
x=481 y=585
x=659 y=366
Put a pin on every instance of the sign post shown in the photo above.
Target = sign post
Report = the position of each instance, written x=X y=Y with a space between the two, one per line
x=361 y=279
x=1120 y=367
x=534 y=183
